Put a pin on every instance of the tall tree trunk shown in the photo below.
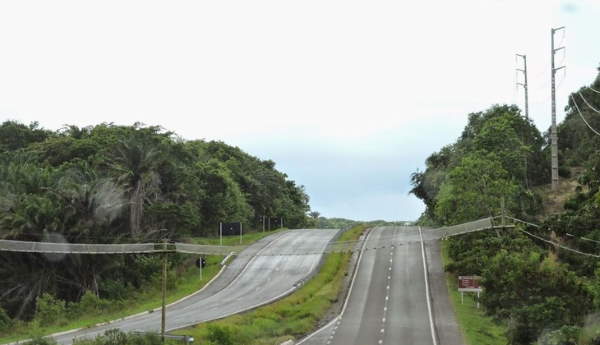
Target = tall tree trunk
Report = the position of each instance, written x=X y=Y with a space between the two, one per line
x=136 y=208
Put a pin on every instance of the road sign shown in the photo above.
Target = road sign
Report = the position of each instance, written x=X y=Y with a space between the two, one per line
x=201 y=262
x=232 y=229
x=469 y=284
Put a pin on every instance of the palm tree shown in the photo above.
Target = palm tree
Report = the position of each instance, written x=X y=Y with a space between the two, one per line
x=137 y=161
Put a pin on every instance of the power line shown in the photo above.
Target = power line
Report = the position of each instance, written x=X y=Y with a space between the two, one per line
x=588 y=103
x=591 y=88
x=583 y=238
x=583 y=118
x=559 y=245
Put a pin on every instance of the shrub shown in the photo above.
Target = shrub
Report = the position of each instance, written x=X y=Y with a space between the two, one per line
x=49 y=310
x=117 y=337
x=5 y=321
x=220 y=335
x=90 y=303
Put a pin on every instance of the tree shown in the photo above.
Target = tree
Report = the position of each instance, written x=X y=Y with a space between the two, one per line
x=474 y=189
x=137 y=160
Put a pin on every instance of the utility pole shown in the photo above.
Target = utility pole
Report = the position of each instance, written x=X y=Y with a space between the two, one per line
x=163 y=315
x=524 y=83
x=525 y=86
x=553 y=133
x=220 y=233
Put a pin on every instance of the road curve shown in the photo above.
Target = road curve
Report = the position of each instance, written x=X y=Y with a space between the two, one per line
x=265 y=271
x=388 y=301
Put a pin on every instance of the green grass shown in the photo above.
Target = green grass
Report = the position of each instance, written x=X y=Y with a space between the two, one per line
x=248 y=238
x=290 y=317
x=188 y=283
x=476 y=327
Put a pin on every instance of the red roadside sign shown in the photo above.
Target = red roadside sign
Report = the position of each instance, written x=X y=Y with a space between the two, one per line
x=469 y=284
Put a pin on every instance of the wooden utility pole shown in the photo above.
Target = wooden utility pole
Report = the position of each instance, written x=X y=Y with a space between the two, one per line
x=554 y=133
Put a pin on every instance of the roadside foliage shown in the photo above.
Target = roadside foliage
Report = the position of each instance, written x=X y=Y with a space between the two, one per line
x=117 y=184
x=538 y=292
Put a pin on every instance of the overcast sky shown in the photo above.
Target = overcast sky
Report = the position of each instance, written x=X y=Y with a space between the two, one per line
x=347 y=97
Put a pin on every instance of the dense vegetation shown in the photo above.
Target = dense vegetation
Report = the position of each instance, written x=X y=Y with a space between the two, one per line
x=112 y=337
x=320 y=222
x=542 y=294
x=110 y=183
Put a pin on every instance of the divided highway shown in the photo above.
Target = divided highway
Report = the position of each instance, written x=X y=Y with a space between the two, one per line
x=392 y=299
x=265 y=271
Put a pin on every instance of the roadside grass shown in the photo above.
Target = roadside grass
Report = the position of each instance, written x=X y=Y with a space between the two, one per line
x=476 y=327
x=188 y=282
x=247 y=238
x=289 y=318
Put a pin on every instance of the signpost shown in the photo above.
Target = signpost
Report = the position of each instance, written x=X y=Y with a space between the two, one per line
x=231 y=229
x=469 y=284
x=200 y=263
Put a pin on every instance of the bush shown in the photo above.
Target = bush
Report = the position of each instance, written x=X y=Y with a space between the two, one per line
x=90 y=303
x=49 y=310
x=5 y=321
x=117 y=337
x=566 y=335
x=220 y=335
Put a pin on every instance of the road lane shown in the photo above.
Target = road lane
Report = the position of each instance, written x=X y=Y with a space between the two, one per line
x=388 y=302
x=275 y=270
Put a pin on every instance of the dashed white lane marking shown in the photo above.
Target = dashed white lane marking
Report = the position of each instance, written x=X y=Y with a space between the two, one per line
x=387 y=297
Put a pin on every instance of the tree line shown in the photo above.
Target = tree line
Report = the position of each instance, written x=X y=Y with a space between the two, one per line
x=120 y=184
x=542 y=294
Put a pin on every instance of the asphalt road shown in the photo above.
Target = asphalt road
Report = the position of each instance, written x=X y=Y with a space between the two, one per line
x=388 y=301
x=265 y=271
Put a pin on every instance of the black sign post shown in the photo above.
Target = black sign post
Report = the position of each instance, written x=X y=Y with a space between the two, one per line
x=200 y=263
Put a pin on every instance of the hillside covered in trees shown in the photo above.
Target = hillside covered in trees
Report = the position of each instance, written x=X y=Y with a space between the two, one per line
x=540 y=293
x=108 y=184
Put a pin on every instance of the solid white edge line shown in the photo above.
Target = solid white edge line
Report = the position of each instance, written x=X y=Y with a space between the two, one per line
x=427 y=294
x=358 y=260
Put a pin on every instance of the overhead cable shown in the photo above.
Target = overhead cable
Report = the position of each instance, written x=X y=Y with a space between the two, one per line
x=588 y=103
x=583 y=118
x=559 y=245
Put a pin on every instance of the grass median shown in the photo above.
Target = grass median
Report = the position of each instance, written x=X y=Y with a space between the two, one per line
x=476 y=327
x=289 y=318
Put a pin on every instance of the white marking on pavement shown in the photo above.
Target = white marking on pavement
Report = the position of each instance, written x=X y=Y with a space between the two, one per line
x=433 y=335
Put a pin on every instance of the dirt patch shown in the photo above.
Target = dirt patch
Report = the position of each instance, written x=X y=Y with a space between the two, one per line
x=554 y=201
